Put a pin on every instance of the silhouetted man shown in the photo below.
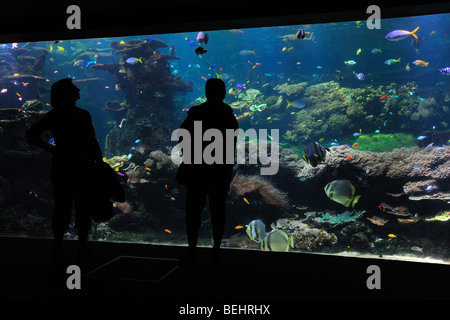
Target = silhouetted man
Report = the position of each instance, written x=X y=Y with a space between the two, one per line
x=75 y=151
x=212 y=180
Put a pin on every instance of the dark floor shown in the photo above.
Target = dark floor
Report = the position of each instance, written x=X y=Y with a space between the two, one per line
x=244 y=276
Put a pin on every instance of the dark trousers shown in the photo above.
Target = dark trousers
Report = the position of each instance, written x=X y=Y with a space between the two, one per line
x=69 y=192
x=195 y=203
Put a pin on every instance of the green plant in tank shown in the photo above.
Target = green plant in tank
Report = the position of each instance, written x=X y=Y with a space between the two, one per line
x=384 y=142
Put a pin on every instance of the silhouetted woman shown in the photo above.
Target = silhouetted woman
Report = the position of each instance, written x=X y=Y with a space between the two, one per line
x=207 y=180
x=75 y=151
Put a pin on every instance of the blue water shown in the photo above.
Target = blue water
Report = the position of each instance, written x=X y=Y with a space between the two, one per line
x=269 y=62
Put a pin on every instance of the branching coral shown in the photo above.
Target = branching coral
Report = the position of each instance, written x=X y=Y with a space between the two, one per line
x=242 y=184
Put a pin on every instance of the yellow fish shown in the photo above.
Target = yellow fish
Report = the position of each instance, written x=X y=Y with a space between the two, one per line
x=358 y=51
x=407 y=68
x=392 y=236
x=60 y=49
x=246 y=201
x=421 y=63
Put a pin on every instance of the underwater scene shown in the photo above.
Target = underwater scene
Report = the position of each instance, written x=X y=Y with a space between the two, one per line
x=364 y=138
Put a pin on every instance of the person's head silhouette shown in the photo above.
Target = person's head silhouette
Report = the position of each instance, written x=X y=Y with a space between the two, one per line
x=215 y=90
x=64 y=93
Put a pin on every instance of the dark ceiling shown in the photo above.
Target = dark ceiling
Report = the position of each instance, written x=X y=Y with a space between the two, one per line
x=21 y=22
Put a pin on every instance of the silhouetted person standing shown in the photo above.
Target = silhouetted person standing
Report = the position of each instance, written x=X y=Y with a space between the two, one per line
x=75 y=151
x=212 y=180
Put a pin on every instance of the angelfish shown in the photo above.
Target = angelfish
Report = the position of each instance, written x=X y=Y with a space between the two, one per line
x=342 y=191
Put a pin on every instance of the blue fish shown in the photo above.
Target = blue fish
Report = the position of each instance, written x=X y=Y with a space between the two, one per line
x=133 y=60
x=397 y=35
x=246 y=52
x=296 y=104
x=360 y=76
x=356 y=134
x=421 y=137
x=445 y=71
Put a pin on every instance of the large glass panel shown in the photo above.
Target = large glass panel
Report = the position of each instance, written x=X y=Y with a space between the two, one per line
x=362 y=118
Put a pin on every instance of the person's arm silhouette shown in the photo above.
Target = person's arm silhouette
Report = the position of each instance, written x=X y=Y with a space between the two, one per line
x=33 y=135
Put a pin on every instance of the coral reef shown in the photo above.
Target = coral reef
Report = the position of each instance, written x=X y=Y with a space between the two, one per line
x=242 y=184
x=333 y=110
x=304 y=237
x=418 y=173
x=291 y=89
x=148 y=86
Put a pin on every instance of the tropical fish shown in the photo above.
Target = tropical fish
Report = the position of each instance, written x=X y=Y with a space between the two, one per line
x=375 y=50
x=348 y=157
x=407 y=68
x=397 y=35
x=122 y=122
x=382 y=98
x=391 y=61
x=246 y=201
x=357 y=134
x=133 y=60
x=421 y=137
x=168 y=231
x=314 y=153
x=200 y=50
x=80 y=63
x=421 y=63
x=355 y=144
x=358 y=52
x=342 y=191
x=392 y=236
x=190 y=41
x=296 y=104
x=300 y=34
x=360 y=76
x=239 y=227
x=256 y=230
x=202 y=38
x=4 y=91
x=416 y=248
x=246 y=52
x=277 y=240
x=350 y=62
x=445 y=71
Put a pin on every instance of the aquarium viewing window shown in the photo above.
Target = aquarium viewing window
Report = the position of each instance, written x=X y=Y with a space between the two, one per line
x=360 y=118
